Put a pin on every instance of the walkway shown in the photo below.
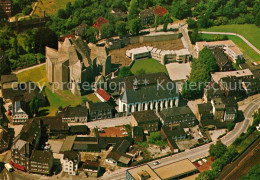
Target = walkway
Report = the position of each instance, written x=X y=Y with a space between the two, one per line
x=25 y=69
x=234 y=34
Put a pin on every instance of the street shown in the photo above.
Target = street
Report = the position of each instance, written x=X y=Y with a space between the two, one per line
x=104 y=123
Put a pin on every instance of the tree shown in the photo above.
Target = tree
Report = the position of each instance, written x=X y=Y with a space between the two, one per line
x=124 y=72
x=254 y=173
x=34 y=106
x=217 y=150
x=45 y=37
x=218 y=164
x=91 y=34
x=257 y=19
x=180 y=9
x=27 y=10
x=207 y=175
x=230 y=155
x=195 y=36
x=135 y=26
x=62 y=14
x=191 y=23
x=121 y=28
x=154 y=137
x=133 y=10
x=107 y=30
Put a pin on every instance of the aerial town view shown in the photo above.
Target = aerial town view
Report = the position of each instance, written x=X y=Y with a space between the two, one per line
x=130 y=89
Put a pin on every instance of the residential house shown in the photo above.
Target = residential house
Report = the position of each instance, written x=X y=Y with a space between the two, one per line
x=232 y=86
x=177 y=115
x=41 y=162
x=5 y=139
x=79 y=130
x=138 y=134
x=99 y=110
x=102 y=95
x=148 y=120
x=175 y=132
x=91 y=168
x=204 y=112
x=222 y=60
x=147 y=16
x=71 y=160
x=251 y=86
x=8 y=81
x=23 y=144
x=212 y=90
x=147 y=92
x=78 y=114
x=6 y=8
x=160 y=11
x=118 y=153
x=55 y=127
x=99 y=22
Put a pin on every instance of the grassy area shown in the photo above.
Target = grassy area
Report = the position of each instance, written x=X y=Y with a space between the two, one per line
x=246 y=142
x=249 y=54
x=250 y=31
x=51 y=7
x=149 y=66
x=37 y=74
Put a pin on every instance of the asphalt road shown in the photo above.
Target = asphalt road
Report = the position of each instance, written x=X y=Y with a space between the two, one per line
x=202 y=151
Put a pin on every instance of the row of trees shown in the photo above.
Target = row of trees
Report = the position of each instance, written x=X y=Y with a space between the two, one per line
x=222 y=155
x=200 y=74
x=219 y=12
x=24 y=49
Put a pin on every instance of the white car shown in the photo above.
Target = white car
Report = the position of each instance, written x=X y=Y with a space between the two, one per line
x=204 y=160
x=156 y=163
x=125 y=133
x=200 y=163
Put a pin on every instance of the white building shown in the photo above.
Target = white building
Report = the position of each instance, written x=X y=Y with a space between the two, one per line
x=71 y=161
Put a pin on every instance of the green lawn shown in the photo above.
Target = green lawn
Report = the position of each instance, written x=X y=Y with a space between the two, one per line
x=249 y=54
x=51 y=7
x=149 y=66
x=246 y=142
x=250 y=31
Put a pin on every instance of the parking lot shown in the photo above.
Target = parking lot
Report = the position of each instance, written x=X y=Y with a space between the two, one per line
x=113 y=132
x=178 y=72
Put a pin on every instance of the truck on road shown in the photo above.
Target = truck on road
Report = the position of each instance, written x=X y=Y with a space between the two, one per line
x=9 y=167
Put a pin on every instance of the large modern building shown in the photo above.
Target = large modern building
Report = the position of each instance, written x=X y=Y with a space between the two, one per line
x=75 y=65
x=177 y=170
x=147 y=92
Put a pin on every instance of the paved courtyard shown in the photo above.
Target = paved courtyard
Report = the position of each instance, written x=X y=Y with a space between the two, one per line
x=216 y=133
x=178 y=72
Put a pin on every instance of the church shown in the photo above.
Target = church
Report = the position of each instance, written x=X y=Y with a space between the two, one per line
x=75 y=64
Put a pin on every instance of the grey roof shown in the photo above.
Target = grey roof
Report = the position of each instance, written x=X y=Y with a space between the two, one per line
x=99 y=106
x=145 y=116
x=79 y=129
x=173 y=131
x=138 y=131
x=220 y=56
x=78 y=111
x=205 y=108
x=71 y=155
x=176 y=113
x=41 y=156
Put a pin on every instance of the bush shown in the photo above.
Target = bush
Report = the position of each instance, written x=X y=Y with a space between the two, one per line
x=41 y=57
x=27 y=10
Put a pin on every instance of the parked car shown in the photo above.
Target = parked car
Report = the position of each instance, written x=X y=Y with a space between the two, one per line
x=204 y=160
x=156 y=163
x=200 y=163
x=9 y=167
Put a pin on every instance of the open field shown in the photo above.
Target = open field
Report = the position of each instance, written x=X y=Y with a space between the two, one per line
x=51 y=7
x=149 y=66
x=249 y=54
x=119 y=55
x=250 y=31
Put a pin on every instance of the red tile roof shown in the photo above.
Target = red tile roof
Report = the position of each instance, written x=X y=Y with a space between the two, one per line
x=67 y=36
x=103 y=94
x=100 y=21
x=159 y=10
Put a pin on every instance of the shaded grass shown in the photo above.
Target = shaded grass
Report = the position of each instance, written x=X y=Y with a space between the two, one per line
x=149 y=66
x=250 y=31
x=246 y=142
